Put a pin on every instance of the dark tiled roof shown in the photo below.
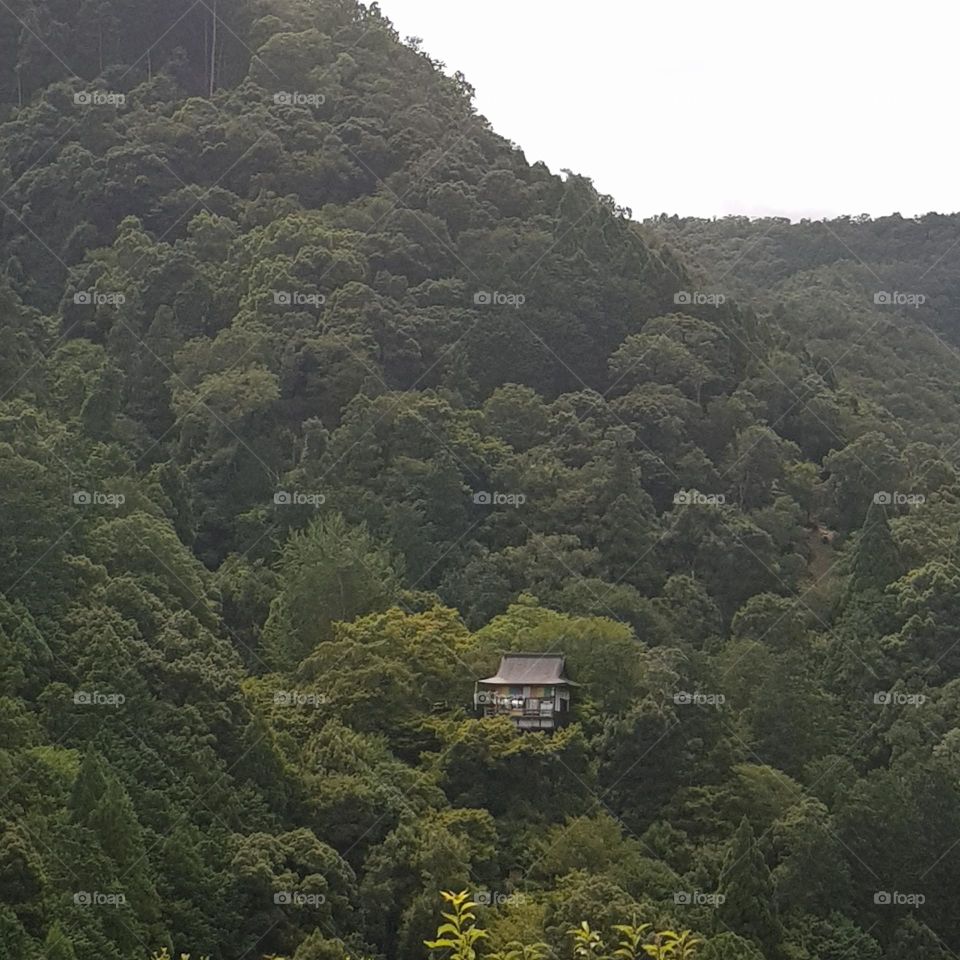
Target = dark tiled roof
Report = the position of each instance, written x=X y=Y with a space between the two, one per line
x=517 y=669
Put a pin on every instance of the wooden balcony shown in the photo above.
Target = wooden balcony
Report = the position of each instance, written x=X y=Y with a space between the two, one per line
x=527 y=708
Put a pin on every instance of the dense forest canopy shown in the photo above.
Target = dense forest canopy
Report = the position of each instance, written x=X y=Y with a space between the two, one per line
x=316 y=397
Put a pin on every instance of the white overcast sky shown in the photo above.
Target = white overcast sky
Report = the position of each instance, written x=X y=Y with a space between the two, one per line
x=710 y=107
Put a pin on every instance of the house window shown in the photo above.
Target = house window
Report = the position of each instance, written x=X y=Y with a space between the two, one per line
x=548 y=692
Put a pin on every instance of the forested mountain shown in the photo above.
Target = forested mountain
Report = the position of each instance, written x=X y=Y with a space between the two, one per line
x=876 y=302
x=316 y=397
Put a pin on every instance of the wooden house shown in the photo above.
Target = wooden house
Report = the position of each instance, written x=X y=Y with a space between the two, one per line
x=532 y=689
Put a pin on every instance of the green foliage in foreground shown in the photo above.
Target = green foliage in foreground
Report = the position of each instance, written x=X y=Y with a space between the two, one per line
x=459 y=938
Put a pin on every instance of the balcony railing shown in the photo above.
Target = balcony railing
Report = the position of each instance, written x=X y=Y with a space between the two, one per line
x=518 y=706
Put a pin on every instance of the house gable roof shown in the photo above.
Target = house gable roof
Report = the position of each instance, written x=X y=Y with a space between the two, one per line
x=517 y=669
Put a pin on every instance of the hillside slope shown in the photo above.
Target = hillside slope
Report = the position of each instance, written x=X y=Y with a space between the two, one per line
x=316 y=396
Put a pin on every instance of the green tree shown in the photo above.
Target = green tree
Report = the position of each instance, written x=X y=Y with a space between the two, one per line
x=57 y=945
x=329 y=572
x=749 y=907
x=876 y=560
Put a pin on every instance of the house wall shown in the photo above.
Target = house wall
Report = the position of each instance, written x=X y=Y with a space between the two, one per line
x=561 y=695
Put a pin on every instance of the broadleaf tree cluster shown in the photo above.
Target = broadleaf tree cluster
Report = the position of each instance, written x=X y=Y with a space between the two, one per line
x=316 y=397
